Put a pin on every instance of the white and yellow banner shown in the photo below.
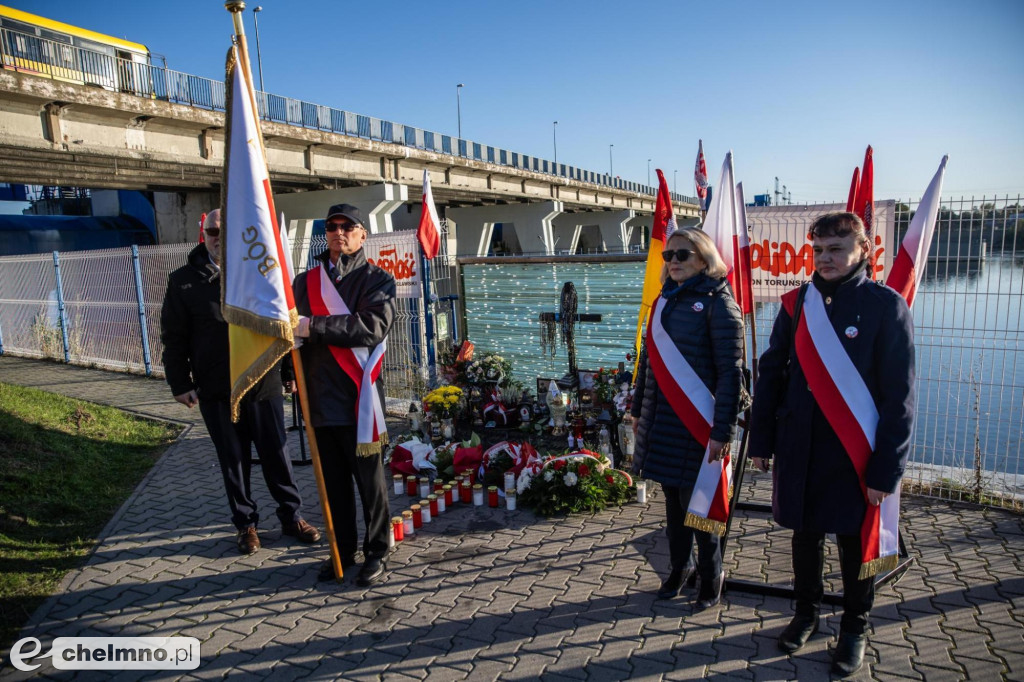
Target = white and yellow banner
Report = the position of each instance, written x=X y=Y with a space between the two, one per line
x=256 y=294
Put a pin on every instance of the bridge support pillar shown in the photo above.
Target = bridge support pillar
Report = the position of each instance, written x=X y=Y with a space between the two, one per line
x=377 y=203
x=533 y=223
x=177 y=214
x=613 y=230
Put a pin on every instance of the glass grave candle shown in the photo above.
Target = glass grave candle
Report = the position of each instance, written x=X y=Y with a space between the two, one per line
x=408 y=527
x=425 y=511
x=510 y=499
x=417 y=516
x=448 y=494
x=432 y=503
x=397 y=528
x=410 y=485
x=478 y=495
x=492 y=496
x=398 y=481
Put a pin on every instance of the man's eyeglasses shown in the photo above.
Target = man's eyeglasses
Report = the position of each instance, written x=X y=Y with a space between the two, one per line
x=213 y=231
x=680 y=255
x=347 y=227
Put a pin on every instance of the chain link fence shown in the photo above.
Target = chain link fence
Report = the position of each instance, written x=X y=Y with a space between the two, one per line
x=102 y=309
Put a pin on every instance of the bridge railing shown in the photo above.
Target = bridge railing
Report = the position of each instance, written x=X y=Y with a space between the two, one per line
x=60 y=61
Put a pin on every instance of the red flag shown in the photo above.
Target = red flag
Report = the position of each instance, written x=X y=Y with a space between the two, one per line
x=851 y=201
x=865 y=206
x=700 y=177
x=912 y=256
x=202 y=222
x=429 y=231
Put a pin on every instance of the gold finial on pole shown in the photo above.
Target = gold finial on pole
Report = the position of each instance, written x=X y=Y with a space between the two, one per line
x=236 y=7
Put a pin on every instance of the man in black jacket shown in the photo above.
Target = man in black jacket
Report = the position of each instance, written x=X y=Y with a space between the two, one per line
x=195 y=338
x=368 y=294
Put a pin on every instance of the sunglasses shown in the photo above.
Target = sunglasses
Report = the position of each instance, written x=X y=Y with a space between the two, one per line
x=213 y=231
x=680 y=255
x=347 y=227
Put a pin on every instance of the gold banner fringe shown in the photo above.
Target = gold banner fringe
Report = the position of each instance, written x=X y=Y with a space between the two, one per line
x=368 y=449
x=256 y=371
x=240 y=317
x=879 y=565
x=706 y=525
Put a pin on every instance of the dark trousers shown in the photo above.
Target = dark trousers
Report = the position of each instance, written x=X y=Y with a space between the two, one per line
x=340 y=465
x=261 y=423
x=808 y=583
x=681 y=537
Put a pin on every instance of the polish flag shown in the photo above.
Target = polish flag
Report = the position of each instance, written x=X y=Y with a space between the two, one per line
x=729 y=233
x=429 y=231
x=912 y=256
x=700 y=178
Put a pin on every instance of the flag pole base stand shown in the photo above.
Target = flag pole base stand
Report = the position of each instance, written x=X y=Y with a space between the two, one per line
x=830 y=598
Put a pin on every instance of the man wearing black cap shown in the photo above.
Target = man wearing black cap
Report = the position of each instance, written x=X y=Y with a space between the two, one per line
x=346 y=307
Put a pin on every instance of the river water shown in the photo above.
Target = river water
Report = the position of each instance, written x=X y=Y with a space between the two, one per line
x=968 y=325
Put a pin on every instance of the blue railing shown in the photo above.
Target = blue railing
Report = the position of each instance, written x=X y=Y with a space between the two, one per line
x=37 y=55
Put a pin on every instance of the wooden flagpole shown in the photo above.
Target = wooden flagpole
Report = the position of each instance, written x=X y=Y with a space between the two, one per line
x=236 y=7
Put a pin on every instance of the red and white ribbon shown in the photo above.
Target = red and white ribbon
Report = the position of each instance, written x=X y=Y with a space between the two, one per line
x=850 y=409
x=362 y=365
x=694 y=404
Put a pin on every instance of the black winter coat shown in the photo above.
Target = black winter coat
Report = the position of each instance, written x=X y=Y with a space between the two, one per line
x=711 y=340
x=369 y=292
x=815 y=484
x=195 y=335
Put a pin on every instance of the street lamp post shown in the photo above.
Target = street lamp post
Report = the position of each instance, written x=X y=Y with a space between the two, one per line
x=648 y=172
x=611 y=165
x=675 y=184
x=554 y=137
x=458 y=103
x=259 y=61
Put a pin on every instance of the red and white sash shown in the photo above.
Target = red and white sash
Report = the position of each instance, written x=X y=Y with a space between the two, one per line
x=848 y=406
x=362 y=365
x=693 y=403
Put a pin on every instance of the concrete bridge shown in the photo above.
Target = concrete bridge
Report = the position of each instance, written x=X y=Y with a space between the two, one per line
x=59 y=133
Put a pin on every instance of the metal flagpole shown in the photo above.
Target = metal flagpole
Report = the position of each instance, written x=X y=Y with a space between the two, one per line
x=236 y=7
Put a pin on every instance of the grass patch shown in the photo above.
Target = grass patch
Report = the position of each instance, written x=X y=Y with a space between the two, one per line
x=67 y=465
x=948 y=489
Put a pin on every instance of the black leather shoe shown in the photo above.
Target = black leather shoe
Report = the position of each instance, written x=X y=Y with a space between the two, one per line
x=849 y=654
x=371 y=572
x=327 y=568
x=674 y=582
x=710 y=594
x=796 y=634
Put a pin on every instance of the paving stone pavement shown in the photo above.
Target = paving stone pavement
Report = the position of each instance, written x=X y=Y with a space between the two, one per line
x=482 y=594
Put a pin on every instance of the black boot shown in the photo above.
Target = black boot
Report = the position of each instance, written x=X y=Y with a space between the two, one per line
x=849 y=654
x=710 y=592
x=796 y=634
x=674 y=582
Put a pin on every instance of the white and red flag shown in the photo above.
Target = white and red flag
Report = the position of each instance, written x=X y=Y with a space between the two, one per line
x=726 y=225
x=700 y=178
x=912 y=257
x=429 y=231
x=256 y=293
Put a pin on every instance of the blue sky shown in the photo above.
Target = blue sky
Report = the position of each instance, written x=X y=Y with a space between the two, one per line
x=795 y=89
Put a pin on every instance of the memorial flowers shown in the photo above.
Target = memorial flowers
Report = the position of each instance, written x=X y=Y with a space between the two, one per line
x=443 y=401
x=488 y=368
x=580 y=481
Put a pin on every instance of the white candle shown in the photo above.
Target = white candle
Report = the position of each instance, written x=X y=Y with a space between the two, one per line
x=510 y=481
x=440 y=504
x=641 y=492
x=510 y=500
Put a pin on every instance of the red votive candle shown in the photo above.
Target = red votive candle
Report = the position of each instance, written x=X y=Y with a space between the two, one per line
x=398 y=528
x=492 y=496
x=417 y=516
x=410 y=485
x=466 y=491
x=448 y=494
x=433 y=506
x=438 y=486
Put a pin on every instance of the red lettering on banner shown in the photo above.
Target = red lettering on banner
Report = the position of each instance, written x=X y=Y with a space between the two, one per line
x=783 y=258
x=401 y=268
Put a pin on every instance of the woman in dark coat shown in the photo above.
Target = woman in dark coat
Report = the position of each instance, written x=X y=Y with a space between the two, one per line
x=817 y=489
x=704 y=323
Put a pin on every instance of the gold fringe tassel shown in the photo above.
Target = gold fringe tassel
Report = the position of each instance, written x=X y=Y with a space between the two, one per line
x=879 y=565
x=368 y=449
x=277 y=350
x=706 y=525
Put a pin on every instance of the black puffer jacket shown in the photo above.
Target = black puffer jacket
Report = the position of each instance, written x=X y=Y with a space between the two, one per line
x=816 y=485
x=710 y=337
x=195 y=335
x=369 y=292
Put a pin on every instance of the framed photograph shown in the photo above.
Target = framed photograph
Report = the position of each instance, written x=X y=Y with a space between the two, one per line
x=542 y=388
x=586 y=379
